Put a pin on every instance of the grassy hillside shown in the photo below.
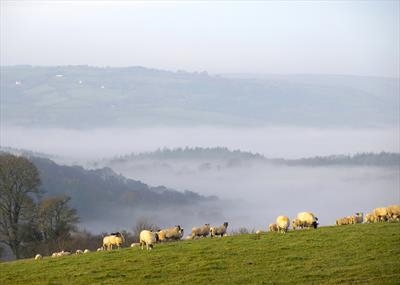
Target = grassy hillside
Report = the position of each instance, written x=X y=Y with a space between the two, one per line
x=357 y=254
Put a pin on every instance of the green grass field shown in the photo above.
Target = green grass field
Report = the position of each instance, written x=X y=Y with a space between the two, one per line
x=354 y=254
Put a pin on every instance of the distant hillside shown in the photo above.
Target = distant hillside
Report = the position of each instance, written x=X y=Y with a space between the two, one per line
x=102 y=195
x=231 y=158
x=87 y=97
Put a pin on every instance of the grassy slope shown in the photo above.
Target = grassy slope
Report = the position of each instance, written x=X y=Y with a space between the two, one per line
x=360 y=254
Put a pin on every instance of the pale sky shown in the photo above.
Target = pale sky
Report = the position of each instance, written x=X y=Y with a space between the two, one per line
x=345 y=37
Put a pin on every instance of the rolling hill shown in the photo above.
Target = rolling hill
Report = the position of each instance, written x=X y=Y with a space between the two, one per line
x=88 y=97
x=355 y=254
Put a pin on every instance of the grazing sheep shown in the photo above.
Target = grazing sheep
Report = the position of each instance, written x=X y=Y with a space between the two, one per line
x=202 y=231
x=296 y=224
x=380 y=214
x=393 y=212
x=78 y=251
x=221 y=230
x=86 y=251
x=307 y=220
x=113 y=239
x=175 y=233
x=369 y=218
x=55 y=254
x=38 y=257
x=148 y=238
x=273 y=227
x=282 y=223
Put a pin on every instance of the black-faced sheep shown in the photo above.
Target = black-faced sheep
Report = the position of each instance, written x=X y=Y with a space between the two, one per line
x=219 y=231
x=113 y=239
x=306 y=220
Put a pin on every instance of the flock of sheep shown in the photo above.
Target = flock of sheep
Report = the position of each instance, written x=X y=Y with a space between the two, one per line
x=302 y=220
x=382 y=214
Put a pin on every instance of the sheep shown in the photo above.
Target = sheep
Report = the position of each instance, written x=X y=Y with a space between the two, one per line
x=221 y=230
x=135 y=244
x=273 y=227
x=86 y=251
x=175 y=233
x=307 y=220
x=55 y=254
x=282 y=223
x=148 y=238
x=202 y=231
x=358 y=217
x=380 y=214
x=38 y=257
x=78 y=251
x=100 y=249
x=369 y=218
x=113 y=239
x=393 y=212
x=296 y=224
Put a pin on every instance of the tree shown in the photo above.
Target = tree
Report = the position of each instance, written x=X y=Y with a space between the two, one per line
x=19 y=186
x=56 y=220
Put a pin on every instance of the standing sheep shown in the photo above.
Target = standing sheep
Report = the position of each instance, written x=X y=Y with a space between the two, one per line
x=221 y=230
x=393 y=212
x=38 y=257
x=202 y=231
x=175 y=233
x=380 y=214
x=307 y=220
x=148 y=238
x=113 y=239
x=273 y=227
x=282 y=223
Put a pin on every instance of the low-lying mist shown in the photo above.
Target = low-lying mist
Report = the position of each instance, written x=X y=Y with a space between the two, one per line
x=284 y=142
x=251 y=195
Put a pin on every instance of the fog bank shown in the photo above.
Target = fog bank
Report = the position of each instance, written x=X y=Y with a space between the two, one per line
x=285 y=142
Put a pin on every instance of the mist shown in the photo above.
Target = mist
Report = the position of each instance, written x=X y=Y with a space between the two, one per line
x=275 y=141
x=250 y=194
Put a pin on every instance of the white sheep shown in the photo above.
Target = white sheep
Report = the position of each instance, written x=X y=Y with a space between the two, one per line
x=273 y=227
x=38 y=257
x=221 y=230
x=148 y=238
x=306 y=220
x=86 y=251
x=78 y=251
x=202 y=231
x=135 y=244
x=174 y=233
x=282 y=223
x=100 y=249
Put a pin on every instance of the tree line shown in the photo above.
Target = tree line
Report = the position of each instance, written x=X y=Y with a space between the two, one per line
x=28 y=221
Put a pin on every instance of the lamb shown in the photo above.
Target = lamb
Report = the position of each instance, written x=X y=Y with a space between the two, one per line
x=86 y=251
x=221 y=230
x=78 y=251
x=282 y=223
x=296 y=224
x=38 y=257
x=148 y=238
x=202 y=231
x=113 y=239
x=307 y=220
x=273 y=227
x=175 y=233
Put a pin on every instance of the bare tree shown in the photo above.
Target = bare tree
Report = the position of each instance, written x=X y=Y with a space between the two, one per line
x=19 y=184
x=142 y=224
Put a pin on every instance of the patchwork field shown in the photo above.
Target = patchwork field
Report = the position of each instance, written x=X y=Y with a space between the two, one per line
x=354 y=254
